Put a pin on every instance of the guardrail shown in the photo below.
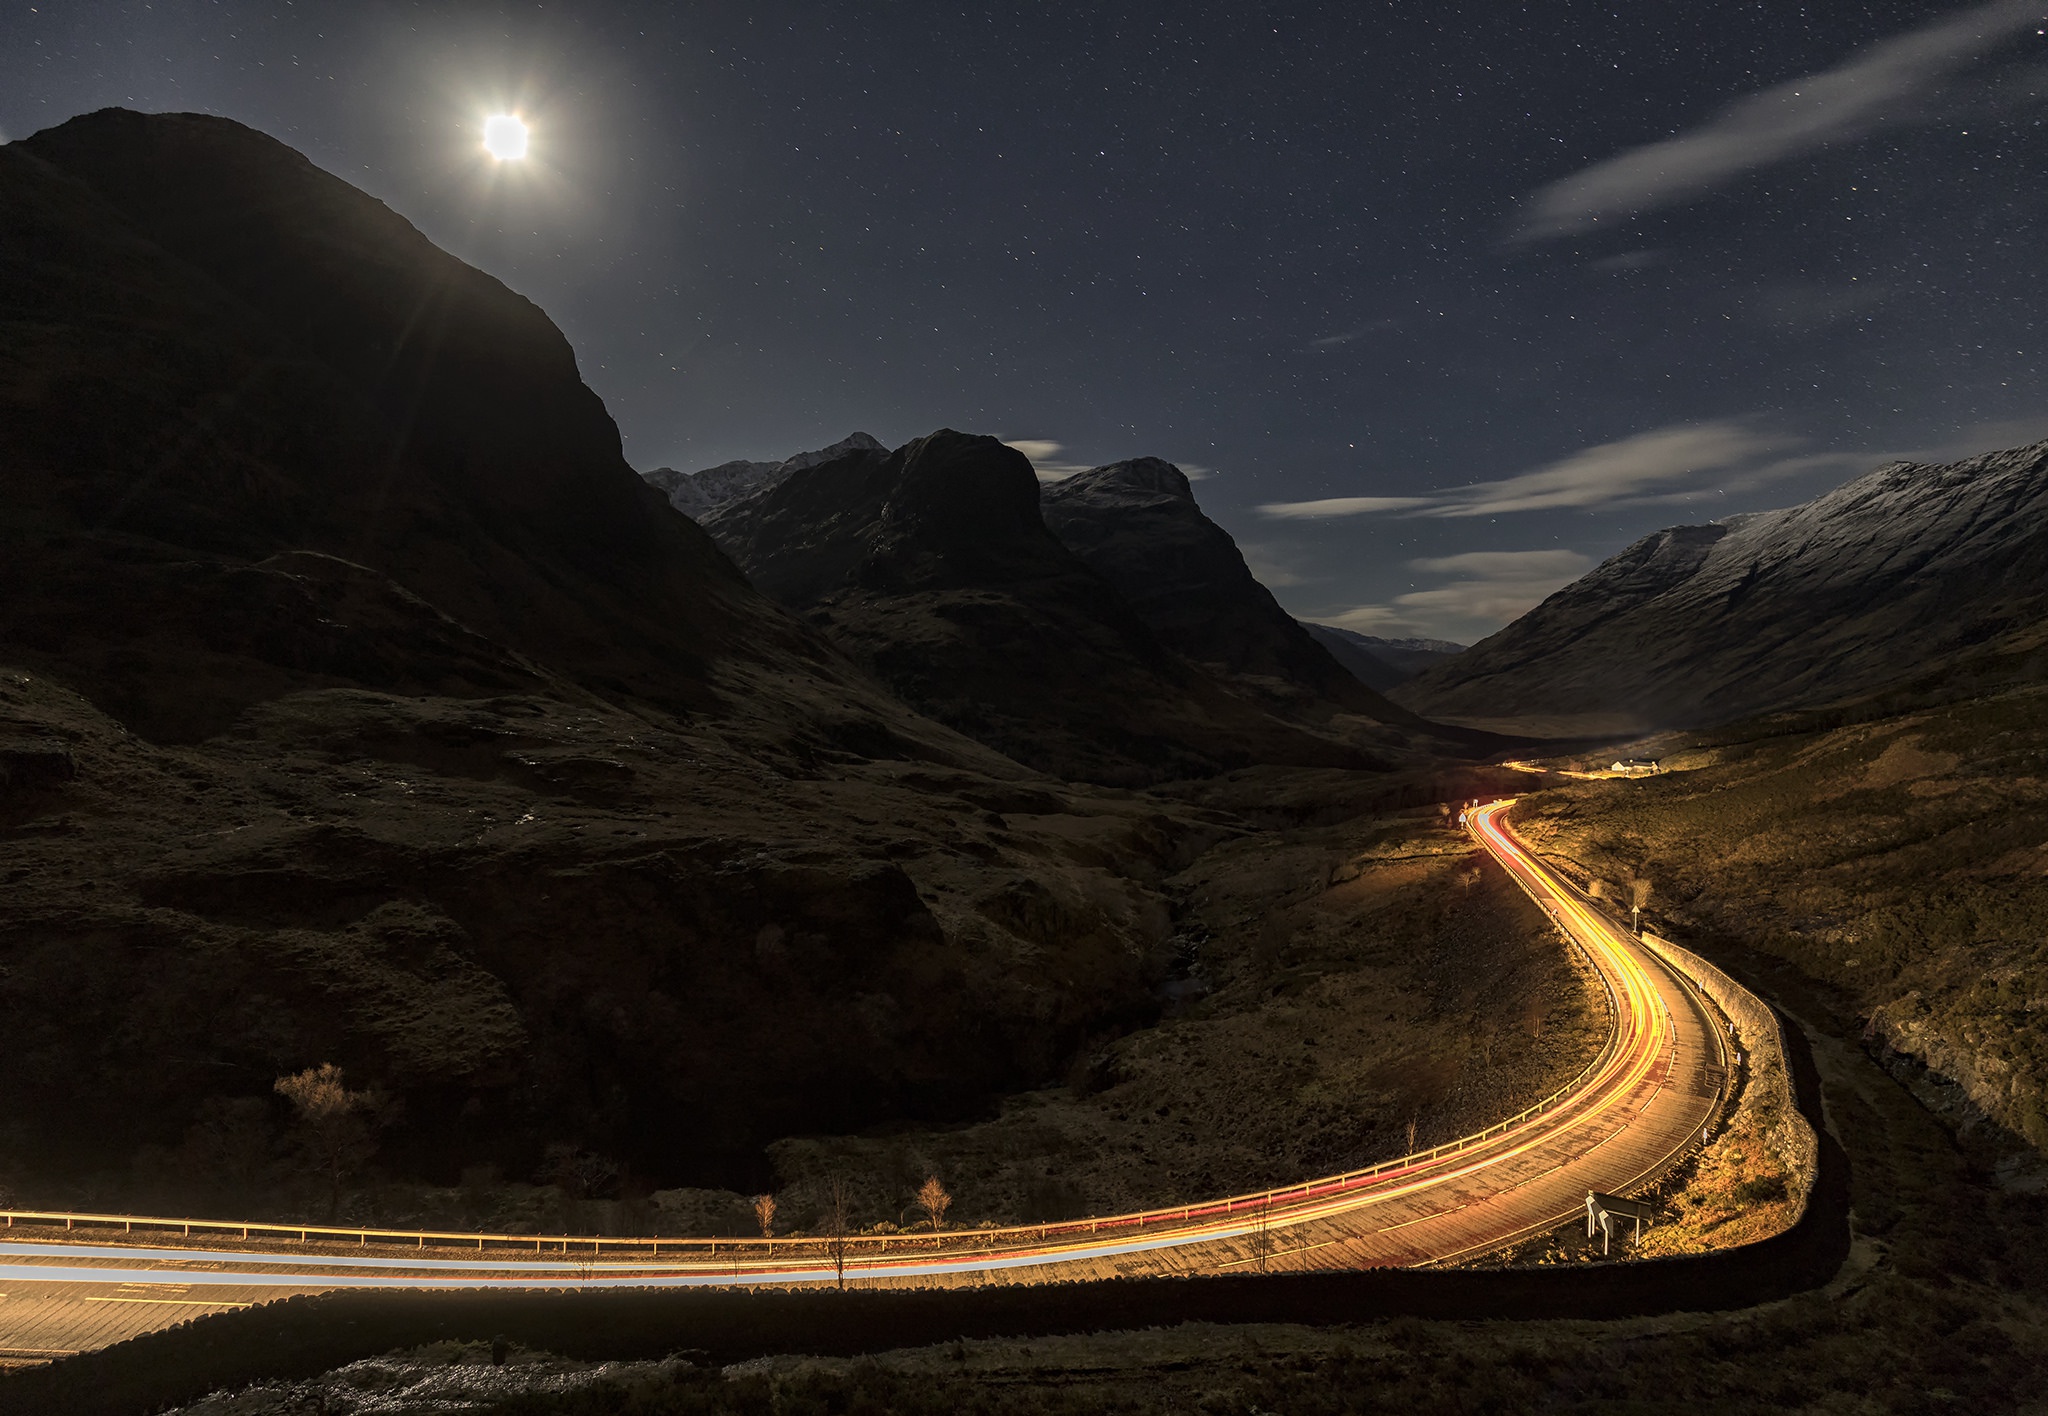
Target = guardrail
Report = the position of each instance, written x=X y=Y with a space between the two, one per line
x=731 y=1248
x=1797 y=1140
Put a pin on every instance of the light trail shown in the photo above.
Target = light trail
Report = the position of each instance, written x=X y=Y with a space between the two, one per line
x=1620 y=1120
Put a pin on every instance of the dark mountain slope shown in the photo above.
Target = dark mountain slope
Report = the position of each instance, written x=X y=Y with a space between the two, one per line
x=932 y=565
x=1136 y=525
x=359 y=704
x=696 y=493
x=1381 y=663
x=1879 y=581
x=1357 y=660
x=363 y=395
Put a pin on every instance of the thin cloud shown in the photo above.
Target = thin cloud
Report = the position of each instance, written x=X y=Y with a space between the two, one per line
x=1340 y=506
x=1042 y=452
x=1333 y=341
x=1628 y=470
x=1268 y=566
x=1370 y=619
x=1506 y=565
x=1492 y=588
x=1877 y=85
x=1648 y=467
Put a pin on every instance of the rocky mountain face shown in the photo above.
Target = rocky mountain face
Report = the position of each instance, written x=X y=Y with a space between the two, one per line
x=361 y=705
x=1136 y=524
x=1380 y=663
x=696 y=493
x=1883 y=579
x=934 y=566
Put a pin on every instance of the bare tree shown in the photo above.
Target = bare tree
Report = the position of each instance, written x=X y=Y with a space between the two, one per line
x=934 y=1201
x=579 y=1176
x=764 y=1214
x=335 y=1129
x=838 y=1204
x=1412 y=1119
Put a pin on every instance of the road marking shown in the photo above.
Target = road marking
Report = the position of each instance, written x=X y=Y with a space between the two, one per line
x=1638 y=1056
x=1424 y=1218
x=1289 y=1253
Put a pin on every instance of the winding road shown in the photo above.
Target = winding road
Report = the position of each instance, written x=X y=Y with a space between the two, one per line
x=70 y=1283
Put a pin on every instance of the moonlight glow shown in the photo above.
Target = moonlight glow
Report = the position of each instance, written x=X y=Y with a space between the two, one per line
x=504 y=137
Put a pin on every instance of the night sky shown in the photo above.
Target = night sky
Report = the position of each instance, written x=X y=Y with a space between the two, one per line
x=1448 y=301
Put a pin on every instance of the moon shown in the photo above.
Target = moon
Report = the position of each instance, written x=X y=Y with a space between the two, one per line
x=504 y=137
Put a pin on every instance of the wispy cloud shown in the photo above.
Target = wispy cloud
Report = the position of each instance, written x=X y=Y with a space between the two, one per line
x=1648 y=467
x=1334 y=341
x=1043 y=452
x=1044 y=455
x=1341 y=506
x=1269 y=566
x=1877 y=85
x=1506 y=565
x=1489 y=588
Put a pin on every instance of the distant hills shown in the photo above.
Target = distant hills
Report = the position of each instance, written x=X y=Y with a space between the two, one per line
x=937 y=565
x=696 y=493
x=1381 y=663
x=1136 y=524
x=1893 y=576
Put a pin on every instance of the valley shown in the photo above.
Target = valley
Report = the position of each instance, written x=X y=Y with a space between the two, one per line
x=915 y=871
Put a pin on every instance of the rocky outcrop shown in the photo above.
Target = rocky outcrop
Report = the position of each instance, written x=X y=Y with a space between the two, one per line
x=1136 y=524
x=1883 y=579
x=1380 y=663
x=934 y=566
x=695 y=494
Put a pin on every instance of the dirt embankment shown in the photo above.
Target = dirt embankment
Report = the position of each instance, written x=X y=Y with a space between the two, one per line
x=1340 y=995
x=1904 y=861
x=532 y=925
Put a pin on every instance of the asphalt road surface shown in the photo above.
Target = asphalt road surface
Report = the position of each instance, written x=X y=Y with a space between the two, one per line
x=73 y=1283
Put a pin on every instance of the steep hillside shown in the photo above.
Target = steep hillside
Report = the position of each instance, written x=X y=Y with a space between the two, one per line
x=696 y=493
x=1136 y=525
x=933 y=566
x=361 y=705
x=1381 y=663
x=1899 y=858
x=1878 y=580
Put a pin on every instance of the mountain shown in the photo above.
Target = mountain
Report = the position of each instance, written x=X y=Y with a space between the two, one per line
x=1886 y=578
x=934 y=566
x=1380 y=663
x=1136 y=524
x=696 y=493
x=359 y=704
